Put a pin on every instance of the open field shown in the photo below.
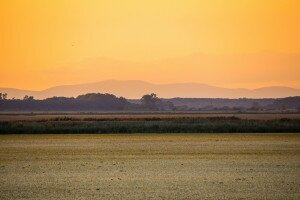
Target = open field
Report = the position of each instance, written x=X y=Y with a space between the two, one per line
x=150 y=166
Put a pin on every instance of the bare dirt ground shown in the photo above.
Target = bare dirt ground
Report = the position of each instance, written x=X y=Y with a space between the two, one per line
x=150 y=166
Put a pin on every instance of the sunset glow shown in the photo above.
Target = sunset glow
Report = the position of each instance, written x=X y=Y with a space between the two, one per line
x=229 y=43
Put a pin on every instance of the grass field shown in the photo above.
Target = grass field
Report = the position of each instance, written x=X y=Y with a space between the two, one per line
x=150 y=166
x=149 y=122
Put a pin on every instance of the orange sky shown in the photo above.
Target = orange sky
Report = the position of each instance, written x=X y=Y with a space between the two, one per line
x=232 y=43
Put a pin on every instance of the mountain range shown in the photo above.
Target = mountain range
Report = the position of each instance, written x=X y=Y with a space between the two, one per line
x=135 y=89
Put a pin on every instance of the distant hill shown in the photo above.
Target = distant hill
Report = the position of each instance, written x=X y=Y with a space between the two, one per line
x=210 y=104
x=136 y=89
x=288 y=103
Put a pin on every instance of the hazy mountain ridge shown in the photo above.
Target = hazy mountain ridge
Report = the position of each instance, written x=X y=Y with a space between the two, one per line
x=135 y=89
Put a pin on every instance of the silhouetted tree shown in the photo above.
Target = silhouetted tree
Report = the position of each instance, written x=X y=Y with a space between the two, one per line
x=28 y=98
x=3 y=96
x=150 y=101
x=99 y=102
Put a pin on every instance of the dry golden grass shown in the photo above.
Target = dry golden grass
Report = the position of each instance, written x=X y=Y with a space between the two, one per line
x=149 y=166
x=271 y=115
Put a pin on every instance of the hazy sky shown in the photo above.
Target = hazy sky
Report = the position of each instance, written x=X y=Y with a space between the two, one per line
x=45 y=43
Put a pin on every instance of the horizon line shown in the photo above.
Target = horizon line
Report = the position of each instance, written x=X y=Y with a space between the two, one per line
x=149 y=82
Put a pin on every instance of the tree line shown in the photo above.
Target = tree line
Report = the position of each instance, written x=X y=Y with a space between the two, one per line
x=106 y=102
x=87 y=102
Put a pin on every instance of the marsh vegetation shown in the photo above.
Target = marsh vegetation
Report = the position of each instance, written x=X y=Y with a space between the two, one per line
x=149 y=124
